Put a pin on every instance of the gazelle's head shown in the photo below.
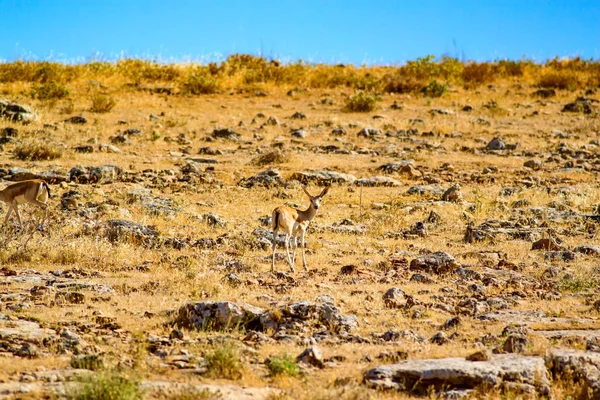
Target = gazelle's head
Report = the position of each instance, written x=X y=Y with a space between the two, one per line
x=315 y=201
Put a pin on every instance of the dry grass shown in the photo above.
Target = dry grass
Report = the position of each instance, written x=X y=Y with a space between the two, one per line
x=38 y=150
x=150 y=281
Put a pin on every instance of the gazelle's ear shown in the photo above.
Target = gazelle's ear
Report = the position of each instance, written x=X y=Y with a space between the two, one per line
x=324 y=191
x=306 y=191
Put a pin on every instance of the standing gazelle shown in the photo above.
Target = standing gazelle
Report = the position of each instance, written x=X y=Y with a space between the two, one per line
x=34 y=191
x=292 y=222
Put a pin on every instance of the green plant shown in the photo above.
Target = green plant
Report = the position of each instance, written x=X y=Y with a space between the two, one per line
x=106 y=386
x=37 y=150
x=49 y=91
x=224 y=362
x=102 y=103
x=282 y=365
x=435 y=89
x=361 y=102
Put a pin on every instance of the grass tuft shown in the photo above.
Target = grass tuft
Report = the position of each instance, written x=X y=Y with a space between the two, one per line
x=37 y=150
x=361 y=101
x=224 y=363
x=102 y=103
x=106 y=386
x=282 y=365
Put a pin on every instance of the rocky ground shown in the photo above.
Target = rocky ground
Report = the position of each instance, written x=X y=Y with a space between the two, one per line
x=456 y=254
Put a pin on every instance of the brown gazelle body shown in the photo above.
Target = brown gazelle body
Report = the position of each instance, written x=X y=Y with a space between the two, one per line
x=34 y=191
x=293 y=222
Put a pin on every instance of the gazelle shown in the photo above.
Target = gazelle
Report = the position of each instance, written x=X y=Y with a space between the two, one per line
x=34 y=191
x=292 y=222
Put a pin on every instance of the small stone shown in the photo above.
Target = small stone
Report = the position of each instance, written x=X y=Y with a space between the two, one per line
x=311 y=356
x=481 y=355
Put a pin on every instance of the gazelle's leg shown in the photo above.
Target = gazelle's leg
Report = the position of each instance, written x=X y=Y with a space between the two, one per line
x=303 y=256
x=273 y=255
x=15 y=206
x=44 y=207
x=294 y=247
x=8 y=214
x=287 y=250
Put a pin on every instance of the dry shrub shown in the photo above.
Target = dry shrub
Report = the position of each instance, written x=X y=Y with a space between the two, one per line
x=272 y=157
x=401 y=83
x=200 y=82
x=475 y=74
x=102 y=103
x=361 y=101
x=37 y=150
x=559 y=80
x=49 y=91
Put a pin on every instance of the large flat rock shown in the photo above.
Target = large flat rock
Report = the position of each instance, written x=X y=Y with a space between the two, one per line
x=21 y=330
x=507 y=370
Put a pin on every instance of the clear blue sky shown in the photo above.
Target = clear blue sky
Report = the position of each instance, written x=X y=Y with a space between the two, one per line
x=378 y=31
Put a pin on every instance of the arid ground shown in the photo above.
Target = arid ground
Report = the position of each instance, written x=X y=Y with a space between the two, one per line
x=461 y=218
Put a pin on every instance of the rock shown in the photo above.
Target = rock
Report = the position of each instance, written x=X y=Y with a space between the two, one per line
x=369 y=132
x=422 y=278
x=588 y=249
x=77 y=120
x=516 y=343
x=220 y=315
x=348 y=226
x=394 y=167
x=272 y=121
x=227 y=134
x=439 y=338
x=580 y=105
x=21 y=174
x=322 y=177
x=210 y=151
x=118 y=230
x=108 y=148
x=339 y=131
x=27 y=350
x=545 y=93
x=545 y=244
x=481 y=355
x=87 y=148
x=213 y=219
x=452 y=323
x=21 y=330
x=437 y=263
x=311 y=356
x=452 y=194
x=429 y=190
x=533 y=164
x=446 y=374
x=496 y=143
x=377 y=181
x=395 y=298
x=441 y=111
x=99 y=174
x=69 y=297
x=16 y=112
x=577 y=365
x=392 y=356
x=153 y=204
x=298 y=115
x=300 y=134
